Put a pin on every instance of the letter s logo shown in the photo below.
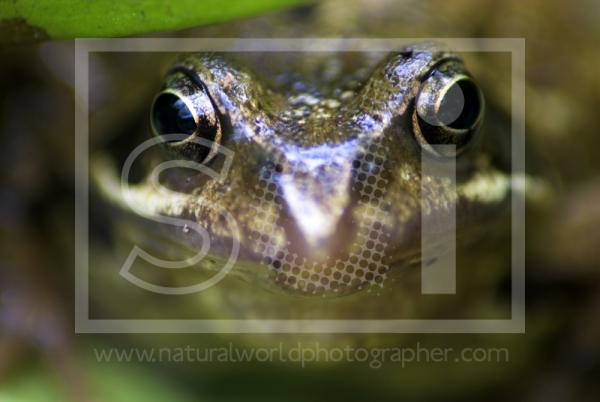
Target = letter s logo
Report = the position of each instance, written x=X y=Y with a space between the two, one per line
x=136 y=206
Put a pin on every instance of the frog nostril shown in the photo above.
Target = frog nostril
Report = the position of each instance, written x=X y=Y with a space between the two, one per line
x=171 y=115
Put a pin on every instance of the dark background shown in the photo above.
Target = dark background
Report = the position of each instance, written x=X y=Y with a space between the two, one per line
x=556 y=359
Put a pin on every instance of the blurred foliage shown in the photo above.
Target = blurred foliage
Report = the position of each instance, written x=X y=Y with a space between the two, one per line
x=31 y=20
x=108 y=382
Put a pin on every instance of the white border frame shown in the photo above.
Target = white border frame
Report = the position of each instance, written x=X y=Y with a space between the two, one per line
x=83 y=324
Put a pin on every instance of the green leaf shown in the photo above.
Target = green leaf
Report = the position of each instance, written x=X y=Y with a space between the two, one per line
x=103 y=381
x=30 y=20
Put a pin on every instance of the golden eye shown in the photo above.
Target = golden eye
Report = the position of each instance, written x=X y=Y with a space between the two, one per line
x=448 y=111
x=185 y=116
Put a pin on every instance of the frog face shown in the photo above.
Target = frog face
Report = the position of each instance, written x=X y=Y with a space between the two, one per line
x=325 y=179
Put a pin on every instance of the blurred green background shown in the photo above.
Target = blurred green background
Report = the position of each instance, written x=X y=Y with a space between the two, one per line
x=41 y=359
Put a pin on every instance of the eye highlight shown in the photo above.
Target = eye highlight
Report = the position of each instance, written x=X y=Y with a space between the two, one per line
x=184 y=108
x=171 y=115
x=448 y=111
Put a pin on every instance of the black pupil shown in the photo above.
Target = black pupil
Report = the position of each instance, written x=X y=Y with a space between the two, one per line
x=463 y=96
x=172 y=116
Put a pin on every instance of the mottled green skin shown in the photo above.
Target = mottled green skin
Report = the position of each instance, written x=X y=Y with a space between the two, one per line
x=323 y=111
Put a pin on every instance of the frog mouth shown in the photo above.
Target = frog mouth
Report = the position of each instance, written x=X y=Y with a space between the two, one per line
x=303 y=268
x=363 y=254
x=282 y=269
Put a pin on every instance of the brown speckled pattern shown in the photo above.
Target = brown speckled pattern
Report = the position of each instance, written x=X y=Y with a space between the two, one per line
x=318 y=136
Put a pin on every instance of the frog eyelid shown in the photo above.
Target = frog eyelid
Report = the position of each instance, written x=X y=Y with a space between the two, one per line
x=196 y=81
x=431 y=125
x=434 y=67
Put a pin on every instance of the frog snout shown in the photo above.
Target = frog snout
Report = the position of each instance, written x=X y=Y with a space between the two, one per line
x=315 y=200
x=325 y=215
x=314 y=186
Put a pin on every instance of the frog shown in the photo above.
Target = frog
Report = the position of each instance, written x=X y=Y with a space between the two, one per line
x=323 y=191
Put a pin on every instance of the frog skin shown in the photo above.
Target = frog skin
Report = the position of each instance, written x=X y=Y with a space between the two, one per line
x=309 y=137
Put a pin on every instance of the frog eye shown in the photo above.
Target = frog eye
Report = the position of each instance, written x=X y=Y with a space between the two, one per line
x=185 y=116
x=171 y=114
x=448 y=111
